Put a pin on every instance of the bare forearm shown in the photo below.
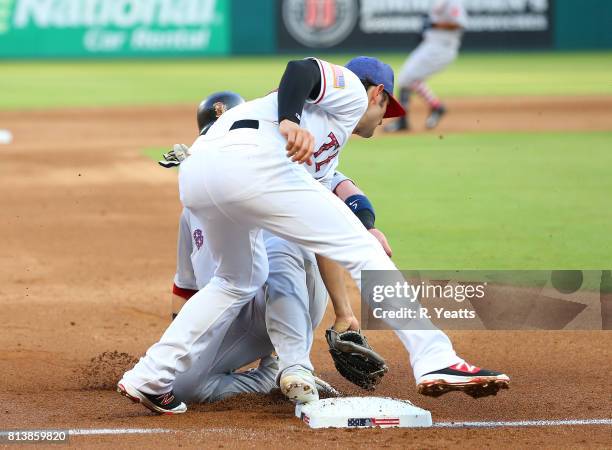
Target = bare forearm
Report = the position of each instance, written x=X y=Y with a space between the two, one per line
x=347 y=188
x=333 y=277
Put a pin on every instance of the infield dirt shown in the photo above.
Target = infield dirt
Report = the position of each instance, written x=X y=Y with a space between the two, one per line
x=88 y=250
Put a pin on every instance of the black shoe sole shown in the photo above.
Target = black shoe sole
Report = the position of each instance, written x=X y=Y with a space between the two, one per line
x=476 y=388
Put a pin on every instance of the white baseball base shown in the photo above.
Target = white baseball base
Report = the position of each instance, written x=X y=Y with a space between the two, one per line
x=362 y=412
x=6 y=137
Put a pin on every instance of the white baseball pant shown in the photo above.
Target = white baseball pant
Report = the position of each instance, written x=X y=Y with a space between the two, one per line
x=280 y=318
x=437 y=51
x=237 y=185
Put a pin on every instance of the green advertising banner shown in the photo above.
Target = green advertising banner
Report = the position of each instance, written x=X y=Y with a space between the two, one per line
x=113 y=28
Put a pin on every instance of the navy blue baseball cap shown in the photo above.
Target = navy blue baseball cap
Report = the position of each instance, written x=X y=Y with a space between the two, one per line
x=377 y=72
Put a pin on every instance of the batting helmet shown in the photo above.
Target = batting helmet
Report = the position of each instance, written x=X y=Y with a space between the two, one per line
x=213 y=106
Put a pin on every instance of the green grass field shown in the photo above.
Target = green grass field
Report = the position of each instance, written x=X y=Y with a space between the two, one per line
x=489 y=201
x=483 y=201
x=102 y=83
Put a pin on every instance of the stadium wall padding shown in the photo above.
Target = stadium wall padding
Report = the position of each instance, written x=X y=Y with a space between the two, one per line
x=253 y=27
x=583 y=24
x=36 y=29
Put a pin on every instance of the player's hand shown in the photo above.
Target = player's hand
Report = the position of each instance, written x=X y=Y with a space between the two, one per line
x=300 y=142
x=344 y=323
x=174 y=158
x=382 y=239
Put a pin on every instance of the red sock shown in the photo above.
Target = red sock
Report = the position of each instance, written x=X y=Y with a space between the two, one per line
x=426 y=93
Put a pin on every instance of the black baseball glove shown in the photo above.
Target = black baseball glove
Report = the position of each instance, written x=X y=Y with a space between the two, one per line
x=354 y=358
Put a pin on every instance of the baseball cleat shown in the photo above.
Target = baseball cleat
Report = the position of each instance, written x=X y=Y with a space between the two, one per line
x=325 y=388
x=400 y=124
x=472 y=380
x=161 y=404
x=434 y=117
x=299 y=385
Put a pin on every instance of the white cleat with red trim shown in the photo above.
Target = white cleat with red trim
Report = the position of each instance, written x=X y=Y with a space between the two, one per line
x=464 y=377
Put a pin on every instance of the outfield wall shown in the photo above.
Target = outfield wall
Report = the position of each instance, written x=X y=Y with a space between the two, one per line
x=114 y=28
x=358 y=25
x=189 y=28
x=583 y=24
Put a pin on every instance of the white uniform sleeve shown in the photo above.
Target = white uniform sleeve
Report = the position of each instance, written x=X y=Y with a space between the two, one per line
x=338 y=178
x=449 y=11
x=185 y=276
x=342 y=94
x=327 y=180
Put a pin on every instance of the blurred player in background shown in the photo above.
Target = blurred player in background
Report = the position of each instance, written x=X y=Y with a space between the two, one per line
x=442 y=33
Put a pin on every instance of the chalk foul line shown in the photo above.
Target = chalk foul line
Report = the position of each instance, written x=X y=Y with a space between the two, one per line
x=474 y=424
x=523 y=423
x=102 y=431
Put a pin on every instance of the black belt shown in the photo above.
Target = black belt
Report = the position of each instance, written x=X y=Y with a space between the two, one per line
x=254 y=124
x=453 y=27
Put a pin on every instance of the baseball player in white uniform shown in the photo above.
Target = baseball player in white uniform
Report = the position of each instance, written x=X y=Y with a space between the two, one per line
x=281 y=317
x=251 y=177
x=442 y=35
